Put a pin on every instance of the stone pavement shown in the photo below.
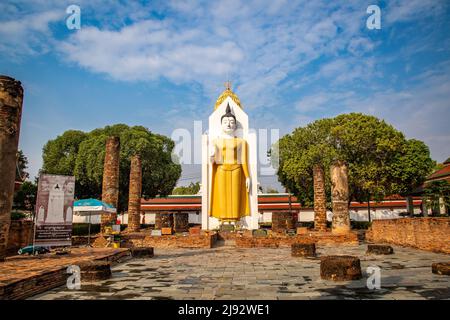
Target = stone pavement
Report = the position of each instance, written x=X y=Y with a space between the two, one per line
x=262 y=273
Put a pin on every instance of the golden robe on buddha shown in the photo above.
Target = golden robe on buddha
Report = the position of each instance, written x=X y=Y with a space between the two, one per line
x=229 y=196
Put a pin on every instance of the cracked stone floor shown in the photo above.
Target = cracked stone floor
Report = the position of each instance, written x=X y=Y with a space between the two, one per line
x=228 y=273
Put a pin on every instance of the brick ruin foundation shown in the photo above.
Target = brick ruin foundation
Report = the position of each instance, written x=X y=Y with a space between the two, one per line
x=275 y=241
x=282 y=221
x=20 y=235
x=204 y=240
x=430 y=234
x=178 y=221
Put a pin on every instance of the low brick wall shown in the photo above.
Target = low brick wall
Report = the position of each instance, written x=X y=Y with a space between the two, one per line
x=83 y=240
x=20 y=235
x=431 y=234
x=25 y=276
x=276 y=241
x=174 y=241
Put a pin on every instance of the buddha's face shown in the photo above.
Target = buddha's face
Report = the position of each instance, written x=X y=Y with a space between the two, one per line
x=228 y=125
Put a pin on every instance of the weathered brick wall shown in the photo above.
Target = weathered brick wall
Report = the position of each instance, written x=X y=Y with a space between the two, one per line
x=11 y=97
x=163 y=220
x=431 y=234
x=282 y=221
x=174 y=241
x=110 y=184
x=181 y=222
x=276 y=241
x=20 y=235
x=320 y=199
x=82 y=240
x=134 y=197
x=23 y=276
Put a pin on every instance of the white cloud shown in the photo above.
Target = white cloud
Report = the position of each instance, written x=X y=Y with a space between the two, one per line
x=400 y=11
x=28 y=35
x=149 y=50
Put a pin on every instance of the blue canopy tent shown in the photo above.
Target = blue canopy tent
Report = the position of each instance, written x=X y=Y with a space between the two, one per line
x=91 y=207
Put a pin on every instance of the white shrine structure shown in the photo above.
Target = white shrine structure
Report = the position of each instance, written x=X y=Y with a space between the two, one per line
x=242 y=131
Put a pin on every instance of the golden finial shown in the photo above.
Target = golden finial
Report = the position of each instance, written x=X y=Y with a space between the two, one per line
x=227 y=93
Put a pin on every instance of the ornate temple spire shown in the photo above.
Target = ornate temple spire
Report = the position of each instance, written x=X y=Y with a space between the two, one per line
x=227 y=93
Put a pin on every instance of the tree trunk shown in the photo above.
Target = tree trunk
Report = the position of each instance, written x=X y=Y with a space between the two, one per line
x=11 y=98
x=339 y=194
x=110 y=185
x=320 y=208
x=134 y=197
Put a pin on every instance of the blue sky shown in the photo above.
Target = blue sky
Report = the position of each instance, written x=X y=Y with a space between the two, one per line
x=162 y=64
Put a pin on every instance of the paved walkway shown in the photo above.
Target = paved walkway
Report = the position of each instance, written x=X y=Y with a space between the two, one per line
x=263 y=273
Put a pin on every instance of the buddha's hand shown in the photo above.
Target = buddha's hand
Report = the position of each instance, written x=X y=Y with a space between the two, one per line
x=247 y=184
x=212 y=156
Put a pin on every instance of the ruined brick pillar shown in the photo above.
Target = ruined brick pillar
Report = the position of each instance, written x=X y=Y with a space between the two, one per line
x=320 y=199
x=110 y=185
x=134 y=197
x=11 y=98
x=339 y=195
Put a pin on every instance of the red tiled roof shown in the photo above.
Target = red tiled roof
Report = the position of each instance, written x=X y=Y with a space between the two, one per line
x=265 y=203
x=441 y=174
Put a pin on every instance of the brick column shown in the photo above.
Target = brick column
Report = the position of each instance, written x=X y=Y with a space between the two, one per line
x=339 y=195
x=110 y=185
x=320 y=199
x=11 y=98
x=134 y=197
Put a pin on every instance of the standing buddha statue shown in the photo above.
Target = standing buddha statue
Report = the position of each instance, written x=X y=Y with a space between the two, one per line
x=230 y=173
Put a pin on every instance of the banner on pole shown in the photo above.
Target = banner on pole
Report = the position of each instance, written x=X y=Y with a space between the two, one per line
x=54 y=207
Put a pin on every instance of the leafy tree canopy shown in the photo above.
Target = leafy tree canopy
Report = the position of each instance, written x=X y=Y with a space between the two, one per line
x=25 y=197
x=380 y=160
x=22 y=166
x=82 y=155
x=434 y=191
x=271 y=190
x=192 y=188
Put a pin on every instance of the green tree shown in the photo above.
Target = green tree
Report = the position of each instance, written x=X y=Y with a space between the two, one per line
x=370 y=146
x=299 y=152
x=380 y=160
x=411 y=167
x=22 y=166
x=192 y=188
x=82 y=155
x=271 y=190
x=434 y=191
x=25 y=197
x=59 y=155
